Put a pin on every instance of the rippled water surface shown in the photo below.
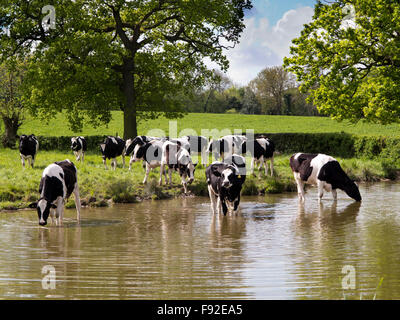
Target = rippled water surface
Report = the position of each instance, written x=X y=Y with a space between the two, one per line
x=176 y=249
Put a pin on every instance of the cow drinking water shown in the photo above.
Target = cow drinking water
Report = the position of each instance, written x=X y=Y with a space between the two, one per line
x=58 y=182
x=323 y=171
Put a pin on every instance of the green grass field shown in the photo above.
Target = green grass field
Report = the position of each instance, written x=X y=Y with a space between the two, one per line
x=100 y=187
x=198 y=121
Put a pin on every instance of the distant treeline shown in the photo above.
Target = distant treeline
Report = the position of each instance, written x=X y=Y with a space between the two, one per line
x=273 y=92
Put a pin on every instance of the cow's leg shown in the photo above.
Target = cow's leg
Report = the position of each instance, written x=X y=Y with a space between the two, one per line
x=300 y=188
x=320 y=185
x=253 y=160
x=162 y=169
x=31 y=161
x=271 y=164
x=224 y=207
x=260 y=164
x=170 y=176
x=265 y=162
x=213 y=198
x=83 y=157
x=53 y=220
x=123 y=161
x=146 y=175
x=23 y=161
x=77 y=202
x=114 y=163
x=60 y=210
x=219 y=207
x=184 y=183
x=105 y=163
x=130 y=163
x=334 y=194
x=204 y=158
x=236 y=204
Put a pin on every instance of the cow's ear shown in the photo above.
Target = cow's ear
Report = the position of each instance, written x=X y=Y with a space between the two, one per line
x=53 y=206
x=32 y=205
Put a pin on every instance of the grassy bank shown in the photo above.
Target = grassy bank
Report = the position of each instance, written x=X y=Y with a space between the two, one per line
x=100 y=187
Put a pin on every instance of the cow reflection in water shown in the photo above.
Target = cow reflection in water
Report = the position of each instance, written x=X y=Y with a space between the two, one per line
x=322 y=217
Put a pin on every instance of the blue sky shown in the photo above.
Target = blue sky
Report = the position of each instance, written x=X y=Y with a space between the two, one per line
x=270 y=27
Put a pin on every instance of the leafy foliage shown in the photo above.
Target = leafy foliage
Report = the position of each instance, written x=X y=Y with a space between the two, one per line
x=350 y=64
x=109 y=55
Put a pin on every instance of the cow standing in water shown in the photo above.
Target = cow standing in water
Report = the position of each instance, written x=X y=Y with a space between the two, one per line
x=325 y=172
x=225 y=181
x=59 y=181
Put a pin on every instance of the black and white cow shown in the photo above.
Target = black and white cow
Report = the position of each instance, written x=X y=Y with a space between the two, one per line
x=28 y=147
x=150 y=153
x=59 y=181
x=177 y=158
x=226 y=145
x=261 y=150
x=225 y=183
x=323 y=171
x=79 y=147
x=198 y=145
x=130 y=145
x=111 y=148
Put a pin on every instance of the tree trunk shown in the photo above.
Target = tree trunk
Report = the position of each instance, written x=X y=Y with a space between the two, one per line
x=11 y=126
x=130 y=124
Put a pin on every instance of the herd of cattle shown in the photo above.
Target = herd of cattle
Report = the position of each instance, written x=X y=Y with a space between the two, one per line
x=225 y=176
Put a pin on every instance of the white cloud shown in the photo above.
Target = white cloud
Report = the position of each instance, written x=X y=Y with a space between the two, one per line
x=263 y=45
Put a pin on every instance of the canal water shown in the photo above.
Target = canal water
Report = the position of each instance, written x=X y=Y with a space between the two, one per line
x=273 y=248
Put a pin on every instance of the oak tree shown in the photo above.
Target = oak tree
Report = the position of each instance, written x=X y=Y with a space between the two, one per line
x=108 y=55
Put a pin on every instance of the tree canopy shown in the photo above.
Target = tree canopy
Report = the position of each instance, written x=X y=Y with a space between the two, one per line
x=348 y=58
x=129 y=55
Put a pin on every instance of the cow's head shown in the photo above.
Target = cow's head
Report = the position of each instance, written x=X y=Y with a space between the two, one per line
x=352 y=190
x=43 y=209
x=187 y=170
x=227 y=175
x=74 y=144
x=128 y=143
x=131 y=144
